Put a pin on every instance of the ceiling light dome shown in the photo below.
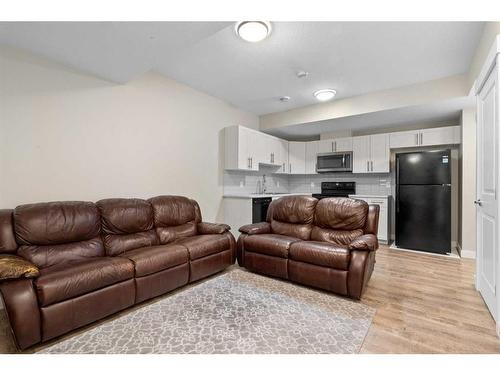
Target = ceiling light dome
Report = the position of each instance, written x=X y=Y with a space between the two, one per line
x=325 y=95
x=253 y=31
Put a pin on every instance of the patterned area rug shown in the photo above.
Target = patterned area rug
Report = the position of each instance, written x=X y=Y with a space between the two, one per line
x=237 y=312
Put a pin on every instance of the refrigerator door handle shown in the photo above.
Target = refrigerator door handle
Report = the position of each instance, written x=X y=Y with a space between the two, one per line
x=397 y=185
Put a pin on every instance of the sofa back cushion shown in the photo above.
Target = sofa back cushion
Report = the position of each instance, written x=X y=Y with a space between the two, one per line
x=175 y=217
x=8 y=242
x=339 y=220
x=127 y=224
x=293 y=216
x=58 y=232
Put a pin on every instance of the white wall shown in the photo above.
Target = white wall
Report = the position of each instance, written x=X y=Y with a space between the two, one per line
x=468 y=230
x=64 y=135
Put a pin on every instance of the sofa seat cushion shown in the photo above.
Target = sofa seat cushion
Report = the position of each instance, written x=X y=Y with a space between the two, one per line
x=203 y=245
x=69 y=280
x=148 y=260
x=275 y=245
x=321 y=254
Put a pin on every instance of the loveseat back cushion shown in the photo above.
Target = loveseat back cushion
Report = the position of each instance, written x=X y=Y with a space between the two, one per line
x=293 y=216
x=127 y=224
x=58 y=232
x=175 y=217
x=7 y=238
x=56 y=223
x=341 y=214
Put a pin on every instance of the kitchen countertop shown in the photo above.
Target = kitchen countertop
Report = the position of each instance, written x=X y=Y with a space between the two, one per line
x=250 y=196
x=369 y=196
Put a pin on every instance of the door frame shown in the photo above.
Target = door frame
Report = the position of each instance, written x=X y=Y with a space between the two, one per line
x=492 y=60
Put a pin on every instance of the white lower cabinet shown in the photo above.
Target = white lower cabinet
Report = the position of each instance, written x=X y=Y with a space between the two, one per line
x=383 y=218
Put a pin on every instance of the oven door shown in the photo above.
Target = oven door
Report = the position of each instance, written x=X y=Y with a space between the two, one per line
x=334 y=162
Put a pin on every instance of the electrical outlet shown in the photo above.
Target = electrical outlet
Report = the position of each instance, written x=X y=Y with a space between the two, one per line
x=312 y=184
x=242 y=184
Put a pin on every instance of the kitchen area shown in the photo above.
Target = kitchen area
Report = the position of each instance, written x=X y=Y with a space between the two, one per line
x=260 y=168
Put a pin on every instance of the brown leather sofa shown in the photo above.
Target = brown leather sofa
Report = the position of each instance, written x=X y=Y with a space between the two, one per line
x=67 y=264
x=328 y=244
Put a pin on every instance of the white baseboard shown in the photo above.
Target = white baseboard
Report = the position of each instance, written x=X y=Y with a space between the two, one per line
x=469 y=254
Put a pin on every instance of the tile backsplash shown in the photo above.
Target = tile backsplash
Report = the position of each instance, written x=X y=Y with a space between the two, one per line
x=244 y=182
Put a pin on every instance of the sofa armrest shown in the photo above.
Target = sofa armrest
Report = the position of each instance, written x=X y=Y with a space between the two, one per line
x=257 y=228
x=365 y=242
x=212 y=228
x=14 y=267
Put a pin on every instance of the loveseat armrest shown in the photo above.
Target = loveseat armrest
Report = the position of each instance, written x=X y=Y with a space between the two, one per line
x=257 y=228
x=365 y=242
x=212 y=228
x=14 y=267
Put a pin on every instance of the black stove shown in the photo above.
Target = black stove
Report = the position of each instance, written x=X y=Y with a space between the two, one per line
x=336 y=189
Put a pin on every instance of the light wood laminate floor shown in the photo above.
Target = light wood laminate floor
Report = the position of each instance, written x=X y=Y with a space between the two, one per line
x=426 y=304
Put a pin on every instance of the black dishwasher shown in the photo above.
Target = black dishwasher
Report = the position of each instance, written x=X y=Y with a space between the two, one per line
x=259 y=209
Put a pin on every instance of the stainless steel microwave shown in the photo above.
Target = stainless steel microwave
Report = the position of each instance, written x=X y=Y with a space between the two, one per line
x=334 y=162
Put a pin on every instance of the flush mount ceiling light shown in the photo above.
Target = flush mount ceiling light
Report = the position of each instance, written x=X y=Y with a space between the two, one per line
x=325 y=95
x=253 y=31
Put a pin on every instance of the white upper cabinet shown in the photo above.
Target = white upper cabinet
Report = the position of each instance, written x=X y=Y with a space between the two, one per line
x=361 y=154
x=325 y=145
x=380 y=153
x=371 y=154
x=297 y=157
x=239 y=149
x=448 y=135
x=404 y=139
x=270 y=150
x=342 y=144
x=334 y=145
x=283 y=157
x=312 y=149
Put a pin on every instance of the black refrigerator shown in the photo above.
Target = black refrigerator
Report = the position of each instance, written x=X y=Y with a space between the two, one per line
x=423 y=201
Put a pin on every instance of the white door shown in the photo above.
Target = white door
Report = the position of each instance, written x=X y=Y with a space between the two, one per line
x=380 y=153
x=404 y=139
x=437 y=136
x=487 y=179
x=342 y=144
x=361 y=154
x=297 y=157
x=311 y=156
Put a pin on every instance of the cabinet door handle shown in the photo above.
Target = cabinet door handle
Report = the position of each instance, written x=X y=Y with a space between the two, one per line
x=367 y=166
x=251 y=162
x=334 y=146
x=290 y=167
x=248 y=163
x=421 y=138
x=416 y=139
x=371 y=165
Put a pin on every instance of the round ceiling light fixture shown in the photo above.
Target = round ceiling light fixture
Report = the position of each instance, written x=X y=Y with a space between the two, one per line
x=325 y=95
x=253 y=31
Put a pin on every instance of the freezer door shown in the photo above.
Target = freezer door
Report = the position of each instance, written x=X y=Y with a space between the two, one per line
x=423 y=168
x=423 y=218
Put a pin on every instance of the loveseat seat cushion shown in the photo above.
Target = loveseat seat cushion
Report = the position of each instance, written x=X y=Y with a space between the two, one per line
x=65 y=281
x=203 y=245
x=148 y=260
x=321 y=254
x=269 y=244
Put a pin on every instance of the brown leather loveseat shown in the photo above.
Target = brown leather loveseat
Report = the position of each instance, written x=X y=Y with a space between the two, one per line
x=66 y=264
x=328 y=244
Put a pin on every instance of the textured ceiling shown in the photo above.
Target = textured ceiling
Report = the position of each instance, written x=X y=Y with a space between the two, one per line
x=351 y=57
